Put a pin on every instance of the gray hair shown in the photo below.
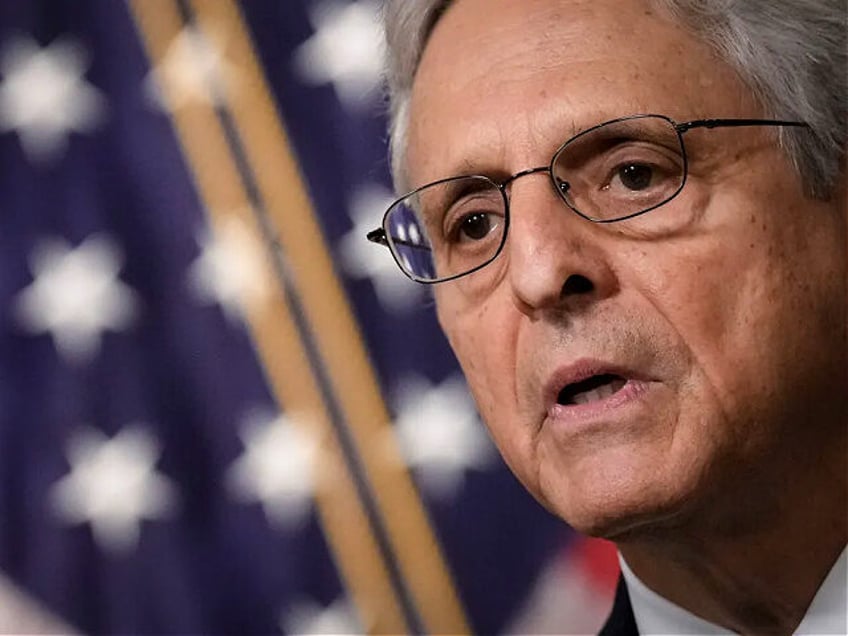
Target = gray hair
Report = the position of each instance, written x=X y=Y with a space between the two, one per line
x=790 y=53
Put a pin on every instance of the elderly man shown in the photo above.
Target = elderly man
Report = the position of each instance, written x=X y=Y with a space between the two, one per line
x=635 y=212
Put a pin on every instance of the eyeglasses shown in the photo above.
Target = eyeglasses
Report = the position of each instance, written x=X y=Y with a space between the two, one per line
x=610 y=172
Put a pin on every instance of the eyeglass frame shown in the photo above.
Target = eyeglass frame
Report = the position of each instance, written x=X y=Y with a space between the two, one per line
x=380 y=235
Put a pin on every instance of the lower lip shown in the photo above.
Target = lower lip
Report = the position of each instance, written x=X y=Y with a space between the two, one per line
x=576 y=414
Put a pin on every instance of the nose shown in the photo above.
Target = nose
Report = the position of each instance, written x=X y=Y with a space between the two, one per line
x=557 y=260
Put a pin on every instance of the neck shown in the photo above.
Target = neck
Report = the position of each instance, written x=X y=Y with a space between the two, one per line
x=756 y=576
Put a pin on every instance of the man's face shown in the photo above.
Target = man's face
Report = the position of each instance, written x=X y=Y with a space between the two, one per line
x=713 y=327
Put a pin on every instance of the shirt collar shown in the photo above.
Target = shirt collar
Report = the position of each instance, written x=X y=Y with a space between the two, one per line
x=827 y=614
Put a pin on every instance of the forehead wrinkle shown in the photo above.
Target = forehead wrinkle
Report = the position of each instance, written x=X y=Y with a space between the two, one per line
x=499 y=79
x=529 y=135
x=487 y=72
x=456 y=158
x=502 y=62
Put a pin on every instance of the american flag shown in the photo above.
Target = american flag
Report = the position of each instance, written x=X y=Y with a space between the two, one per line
x=221 y=409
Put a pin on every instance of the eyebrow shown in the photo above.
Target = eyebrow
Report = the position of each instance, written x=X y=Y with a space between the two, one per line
x=574 y=125
x=451 y=193
x=490 y=164
x=468 y=168
x=497 y=148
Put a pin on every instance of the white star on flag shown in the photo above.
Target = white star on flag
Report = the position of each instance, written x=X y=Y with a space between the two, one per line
x=193 y=70
x=231 y=269
x=345 y=50
x=440 y=434
x=307 y=617
x=276 y=469
x=362 y=259
x=44 y=96
x=76 y=295
x=113 y=485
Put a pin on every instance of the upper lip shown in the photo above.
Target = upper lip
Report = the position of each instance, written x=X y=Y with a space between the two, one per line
x=582 y=369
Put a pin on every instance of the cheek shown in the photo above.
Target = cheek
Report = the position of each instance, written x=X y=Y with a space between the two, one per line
x=714 y=300
x=480 y=337
x=484 y=339
x=758 y=307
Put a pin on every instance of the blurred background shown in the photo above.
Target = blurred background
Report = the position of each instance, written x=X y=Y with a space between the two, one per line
x=222 y=410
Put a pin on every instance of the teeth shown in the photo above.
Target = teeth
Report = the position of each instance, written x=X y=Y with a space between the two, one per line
x=599 y=393
x=592 y=396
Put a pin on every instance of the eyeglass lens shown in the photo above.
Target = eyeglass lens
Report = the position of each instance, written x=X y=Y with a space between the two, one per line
x=620 y=169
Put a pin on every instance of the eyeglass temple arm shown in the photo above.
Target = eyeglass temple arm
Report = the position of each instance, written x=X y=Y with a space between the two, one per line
x=722 y=123
x=379 y=236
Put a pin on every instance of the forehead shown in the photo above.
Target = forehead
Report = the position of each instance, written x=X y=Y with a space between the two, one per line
x=504 y=82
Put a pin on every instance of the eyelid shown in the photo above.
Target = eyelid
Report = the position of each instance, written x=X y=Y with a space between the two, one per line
x=452 y=191
x=657 y=149
x=470 y=187
x=466 y=203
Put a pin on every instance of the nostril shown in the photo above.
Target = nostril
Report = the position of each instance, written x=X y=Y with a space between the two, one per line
x=577 y=284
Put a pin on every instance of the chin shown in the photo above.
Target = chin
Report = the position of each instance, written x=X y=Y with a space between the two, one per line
x=620 y=526
x=619 y=503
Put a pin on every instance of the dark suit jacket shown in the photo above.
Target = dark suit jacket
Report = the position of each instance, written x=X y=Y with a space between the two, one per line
x=621 y=621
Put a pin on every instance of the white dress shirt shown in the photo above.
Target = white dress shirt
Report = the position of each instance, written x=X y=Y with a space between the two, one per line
x=827 y=614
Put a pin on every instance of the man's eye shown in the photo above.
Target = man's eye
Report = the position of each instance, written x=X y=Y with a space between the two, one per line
x=635 y=176
x=476 y=226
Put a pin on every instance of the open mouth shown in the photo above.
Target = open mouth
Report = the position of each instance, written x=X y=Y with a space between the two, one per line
x=592 y=389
